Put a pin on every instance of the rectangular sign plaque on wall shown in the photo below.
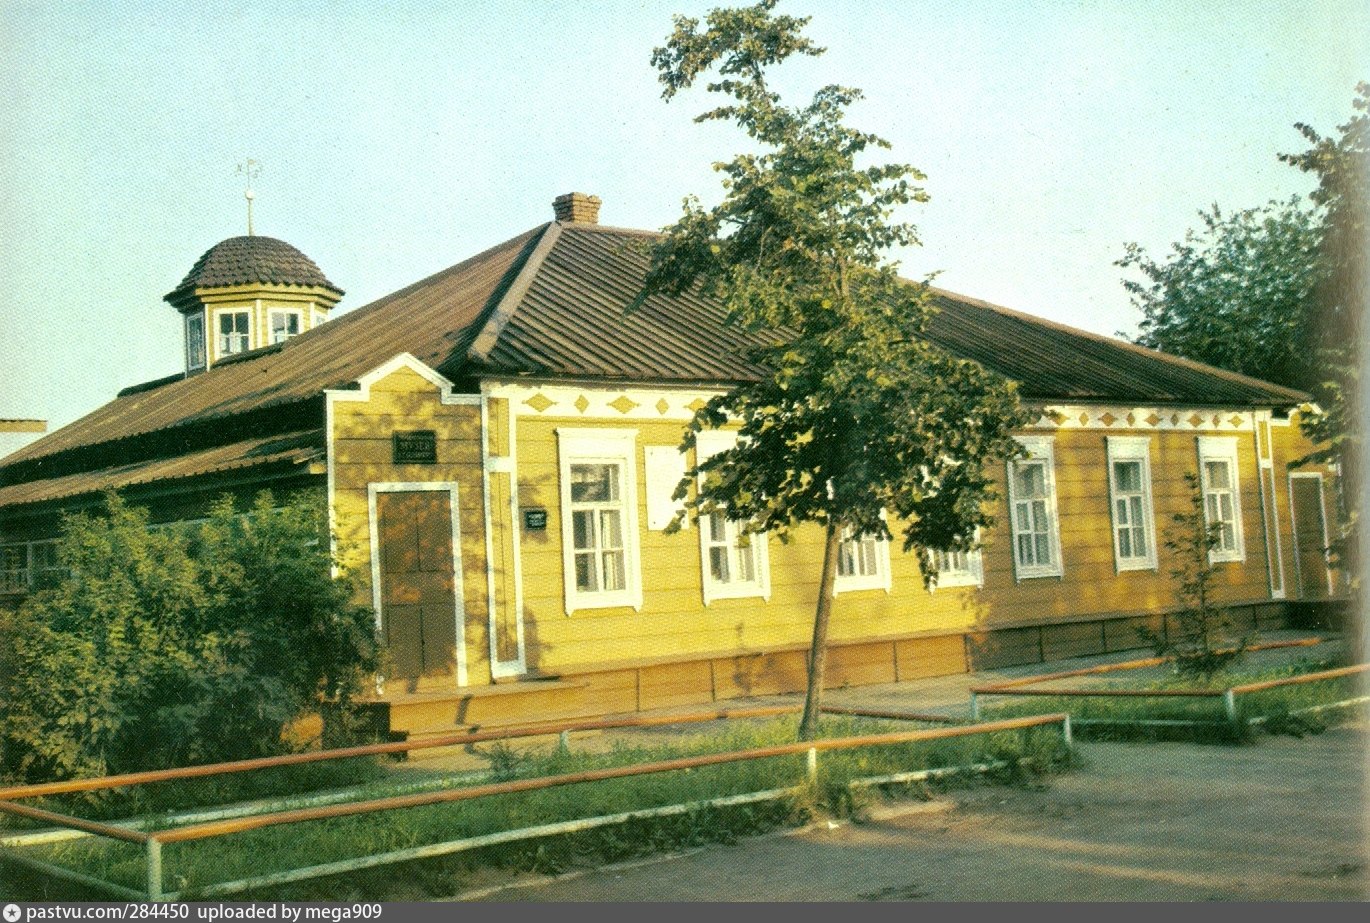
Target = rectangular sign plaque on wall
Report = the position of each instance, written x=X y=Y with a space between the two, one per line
x=535 y=520
x=416 y=447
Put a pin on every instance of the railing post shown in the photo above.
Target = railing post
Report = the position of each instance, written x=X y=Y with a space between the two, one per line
x=1230 y=705
x=974 y=707
x=1066 y=734
x=564 y=742
x=812 y=761
x=154 y=869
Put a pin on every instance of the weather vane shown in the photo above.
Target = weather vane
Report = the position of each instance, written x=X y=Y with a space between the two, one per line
x=250 y=169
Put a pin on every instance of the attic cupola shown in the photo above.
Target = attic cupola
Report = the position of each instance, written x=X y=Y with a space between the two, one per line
x=248 y=292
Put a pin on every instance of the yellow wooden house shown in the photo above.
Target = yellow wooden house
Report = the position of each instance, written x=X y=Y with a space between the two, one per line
x=498 y=444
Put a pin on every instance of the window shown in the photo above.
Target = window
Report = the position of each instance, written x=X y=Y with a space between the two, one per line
x=1129 y=487
x=599 y=518
x=44 y=569
x=284 y=325
x=14 y=568
x=233 y=332
x=959 y=568
x=1222 y=500
x=734 y=566
x=195 y=341
x=1032 y=511
x=863 y=563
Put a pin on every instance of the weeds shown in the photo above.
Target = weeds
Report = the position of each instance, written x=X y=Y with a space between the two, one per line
x=258 y=852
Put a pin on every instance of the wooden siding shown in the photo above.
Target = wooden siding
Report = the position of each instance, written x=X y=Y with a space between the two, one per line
x=363 y=455
x=674 y=624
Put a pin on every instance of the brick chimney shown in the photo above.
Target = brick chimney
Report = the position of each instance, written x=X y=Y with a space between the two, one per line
x=577 y=207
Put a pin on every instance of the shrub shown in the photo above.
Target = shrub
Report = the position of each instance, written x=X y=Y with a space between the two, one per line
x=166 y=647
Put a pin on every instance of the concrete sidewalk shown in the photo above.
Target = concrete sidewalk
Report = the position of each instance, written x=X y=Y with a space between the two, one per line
x=939 y=695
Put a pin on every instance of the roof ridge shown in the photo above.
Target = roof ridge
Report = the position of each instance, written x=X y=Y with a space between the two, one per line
x=1194 y=364
x=488 y=335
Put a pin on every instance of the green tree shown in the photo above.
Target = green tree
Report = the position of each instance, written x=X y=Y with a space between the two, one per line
x=1342 y=166
x=857 y=416
x=1240 y=293
x=1201 y=645
x=174 y=646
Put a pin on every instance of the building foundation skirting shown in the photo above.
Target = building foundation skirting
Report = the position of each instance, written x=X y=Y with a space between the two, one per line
x=597 y=692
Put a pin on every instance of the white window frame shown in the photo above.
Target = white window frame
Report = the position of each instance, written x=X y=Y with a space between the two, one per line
x=219 y=353
x=1132 y=449
x=880 y=580
x=601 y=446
x=16 y=579
x=971 y=574
x=1041 y=450
x=273 y=313
x=1223 y=449
x=708 y=444
x=195 y=359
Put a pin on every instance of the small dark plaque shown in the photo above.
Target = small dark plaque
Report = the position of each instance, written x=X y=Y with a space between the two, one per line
x=535 y=520
x=417 y=447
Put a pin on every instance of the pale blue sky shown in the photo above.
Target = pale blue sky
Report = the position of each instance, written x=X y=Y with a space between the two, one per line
x=399 y=138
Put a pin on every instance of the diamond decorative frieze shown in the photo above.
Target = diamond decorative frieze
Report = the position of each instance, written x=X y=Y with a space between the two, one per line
x=1153 y=420
x=1108 y=419
x=696 y=405
x=1174 y=419
x=1217 y=421
x=662 y=406
x=623 y=403
x=540 y=402
x=582 y=403
x=1195 y=420
x=1235 y=420
x=1055 y=416
x=1084 y=419
x=1131 y=419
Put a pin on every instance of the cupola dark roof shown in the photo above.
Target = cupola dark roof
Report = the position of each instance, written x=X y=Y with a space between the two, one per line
x=251 y=260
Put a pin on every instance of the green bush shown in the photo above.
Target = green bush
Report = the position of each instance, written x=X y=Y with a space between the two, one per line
x=172 y=646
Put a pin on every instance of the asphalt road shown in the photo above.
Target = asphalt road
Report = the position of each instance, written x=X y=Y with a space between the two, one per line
x=1284 y=819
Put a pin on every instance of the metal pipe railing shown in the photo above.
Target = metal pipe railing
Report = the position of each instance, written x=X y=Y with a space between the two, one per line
x=241 y=824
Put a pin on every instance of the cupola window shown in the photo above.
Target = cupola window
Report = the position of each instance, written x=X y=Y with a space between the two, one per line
x=284 y=325
x=233 y=332
x=195 y=341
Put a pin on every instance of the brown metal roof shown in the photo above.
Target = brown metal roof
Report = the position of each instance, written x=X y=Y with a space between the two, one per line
x=287 y=450
x=552 y=302
x=251 y=260
x=428 y=319
x=570 y=321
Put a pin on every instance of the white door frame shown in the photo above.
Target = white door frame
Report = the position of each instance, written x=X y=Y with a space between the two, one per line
x=458 y=595
x=1294 y=529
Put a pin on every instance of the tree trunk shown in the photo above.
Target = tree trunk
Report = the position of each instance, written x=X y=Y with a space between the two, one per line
x=818 y=652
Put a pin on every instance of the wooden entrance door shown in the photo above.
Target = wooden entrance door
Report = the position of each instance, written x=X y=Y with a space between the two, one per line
x=420 y=604
x=1310 y=535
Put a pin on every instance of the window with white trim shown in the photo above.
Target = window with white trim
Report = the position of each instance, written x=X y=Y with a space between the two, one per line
x=1222 y=499
x=735 y=565
x=1129 y=492
x=44 y=568
x=195 y=341
x=1032 y=510
x=14 y=568
x=234 y=330
x=600 y=544
x=863 y=563
x=284 y=325
x=959 y=568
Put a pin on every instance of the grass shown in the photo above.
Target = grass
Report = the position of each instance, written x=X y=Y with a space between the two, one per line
x=1275 y=705
x=198 y=863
